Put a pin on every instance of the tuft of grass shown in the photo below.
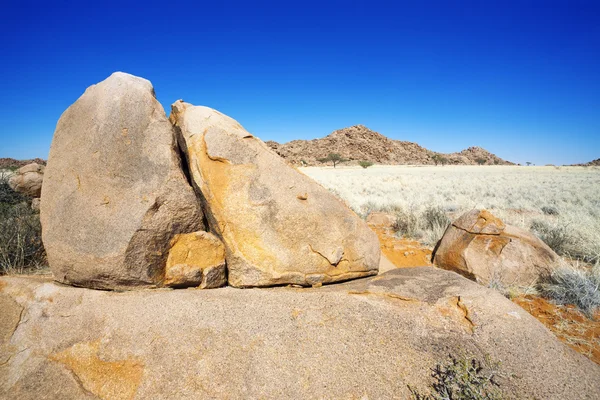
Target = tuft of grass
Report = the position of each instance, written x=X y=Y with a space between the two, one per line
x=557 y=237
x=550 y=210
x=406 y=224
x=463 y=379
x=435 y=221
x=428 y=226
x=569 y=285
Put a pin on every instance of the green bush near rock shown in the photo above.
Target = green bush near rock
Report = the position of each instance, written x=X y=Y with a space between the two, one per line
x=463 y=379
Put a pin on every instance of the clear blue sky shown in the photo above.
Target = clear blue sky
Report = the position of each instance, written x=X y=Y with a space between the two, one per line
x=519 y=78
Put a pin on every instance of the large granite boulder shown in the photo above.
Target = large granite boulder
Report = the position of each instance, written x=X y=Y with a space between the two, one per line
x=481 y=247
x=278 y=225
x=369 y=339
x=28 y=180
x=114 y=193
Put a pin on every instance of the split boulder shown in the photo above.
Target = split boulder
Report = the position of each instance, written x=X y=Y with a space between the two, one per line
x=114 y=193
x=481 y=247
x=278 y=226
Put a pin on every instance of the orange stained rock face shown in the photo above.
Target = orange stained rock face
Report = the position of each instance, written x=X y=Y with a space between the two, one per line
x=227 y=182
x=118 y=380
x=190 y=254
x=569 y=324
x=488 y=223
x=403 y=253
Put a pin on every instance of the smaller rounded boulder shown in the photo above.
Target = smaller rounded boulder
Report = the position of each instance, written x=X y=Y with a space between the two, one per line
x=28 y=180
x=481 y=247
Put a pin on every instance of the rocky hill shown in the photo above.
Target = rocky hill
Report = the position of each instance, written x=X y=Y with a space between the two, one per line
x=12 y=163
x=358 y=143
x=595 y=163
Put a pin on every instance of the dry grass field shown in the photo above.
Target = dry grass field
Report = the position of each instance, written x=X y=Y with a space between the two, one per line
x=559 y=204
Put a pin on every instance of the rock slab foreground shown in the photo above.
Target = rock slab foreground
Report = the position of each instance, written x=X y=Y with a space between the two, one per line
x=369 y=338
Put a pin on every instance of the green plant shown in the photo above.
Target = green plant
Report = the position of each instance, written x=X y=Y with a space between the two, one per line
x=335 y=158
x=365 y=164
x=580 y=287
x=463 y=379
x=480 y=161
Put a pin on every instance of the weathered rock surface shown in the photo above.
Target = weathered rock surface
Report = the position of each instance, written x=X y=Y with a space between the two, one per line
x=114 y=193
x=368 y=338
x=278 y=225
x=481 y=247
x=196 y=259
x=28 y=180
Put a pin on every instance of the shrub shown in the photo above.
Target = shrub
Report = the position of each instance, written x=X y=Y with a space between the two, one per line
x=21 y=248
x=8 y=197
x=463 y=379
x=365 y=164
x=568 y=285
x=556 y=237
x=439 y=159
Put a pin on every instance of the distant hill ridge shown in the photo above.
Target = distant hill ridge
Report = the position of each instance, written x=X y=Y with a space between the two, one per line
x=594 y=163
x=359 y=143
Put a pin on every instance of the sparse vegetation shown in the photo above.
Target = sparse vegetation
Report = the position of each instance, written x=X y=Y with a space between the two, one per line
x=365 y=164
x=335 y=158
x=577 y=286
x=565 y=201
x=21 y=248
x=480 y=161
x=463 y=379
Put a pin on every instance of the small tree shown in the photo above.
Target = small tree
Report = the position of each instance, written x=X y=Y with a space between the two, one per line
x=365 y=164
x=480 y=161
x=439 y=159
x=528 y=163
x=335 y=158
